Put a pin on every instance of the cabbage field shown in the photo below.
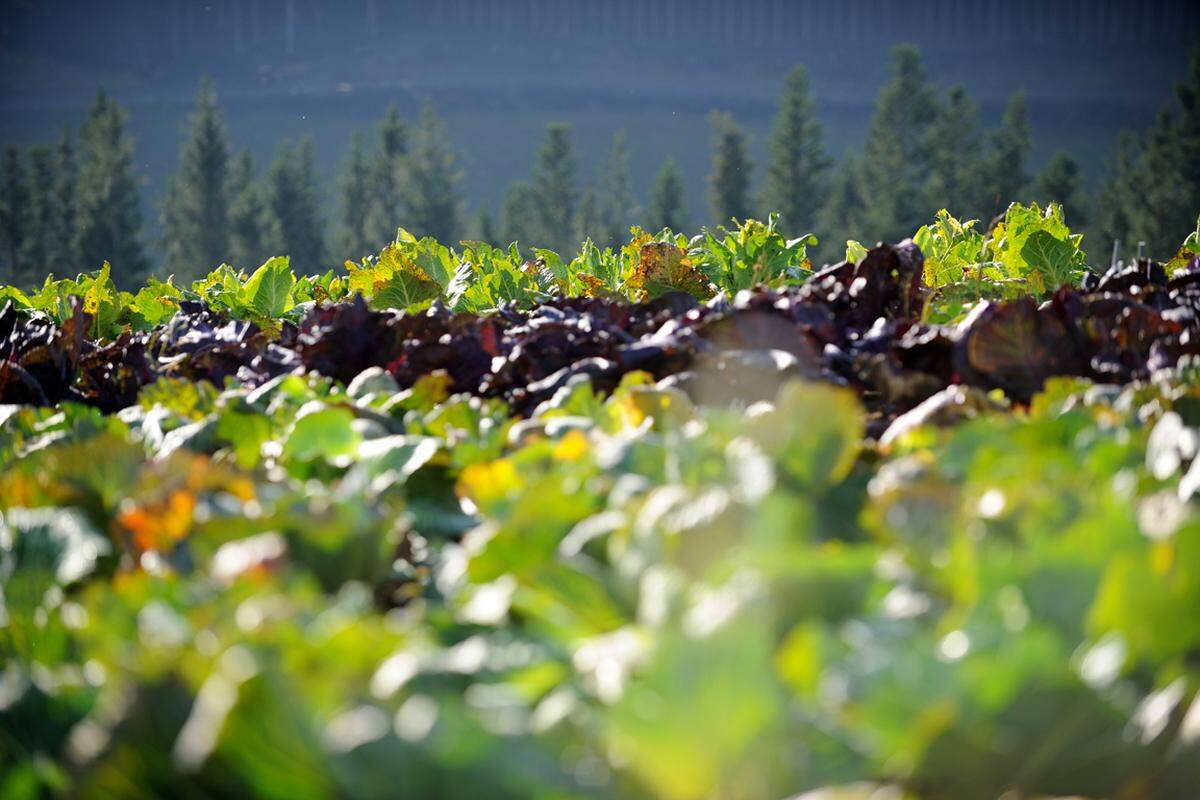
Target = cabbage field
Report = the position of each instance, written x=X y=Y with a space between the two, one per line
x=693 y=518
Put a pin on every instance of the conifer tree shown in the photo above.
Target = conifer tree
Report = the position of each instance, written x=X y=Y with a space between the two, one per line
x=555 y=192
x=668 y=207
x=294 y=227
x=14 y=213
x=1061 y=181
x=1004 y=172
x=1116 y=194
x=955 y=157
x=431 y=203
x=38 y=244
x=63 y=251
x=798 y=166
x=385 y=213
x=248 y=219
x=485 y=228
x=842 y=216
x=1188 y=95
x=729 y=181
x=588 y=221
x=195 y=210
x=519 y=216
x=1156 y=209
x=616 y=203
x=354 y=204
x=895 y=161
x=109 y=213
x=1152 y=193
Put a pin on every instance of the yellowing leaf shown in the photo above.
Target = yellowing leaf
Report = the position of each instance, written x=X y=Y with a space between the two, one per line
x=488 y=482
x=159 y=526
x=393 y=279
x=571 y=447
x=663 y=267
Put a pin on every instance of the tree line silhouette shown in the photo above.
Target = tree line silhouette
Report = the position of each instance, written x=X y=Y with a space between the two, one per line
x=70 y=205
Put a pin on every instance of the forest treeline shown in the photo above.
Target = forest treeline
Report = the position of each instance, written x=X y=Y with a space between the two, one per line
x=72 y=204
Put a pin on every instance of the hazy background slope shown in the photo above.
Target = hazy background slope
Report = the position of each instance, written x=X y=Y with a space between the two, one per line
x=498 y=70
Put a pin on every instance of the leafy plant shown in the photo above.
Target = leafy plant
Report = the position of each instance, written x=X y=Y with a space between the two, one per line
x=676 y=520
x=1030 y=252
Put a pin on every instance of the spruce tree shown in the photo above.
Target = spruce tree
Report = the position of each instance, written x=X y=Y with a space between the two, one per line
x=729 y=181
x=519 y=216
x=387 y=170
x=895 y=162
x=248 y=217
x=1188 y=94
x=1153 y=190
x=668 y=208
x=1004 y=176
x=954 y=156
x=294 y=227
x=485 y=228
x=195 y=210
x=842 y=216
x=14 y=213
x=63 y=250
x=798 y=166
x=354 y=204
x=109 y=213
x=556 y=194
x=1158 y=215
x=1117 y=193
x=1060 y=181
x=431 y=203
x=616 y=199
x=588 y=221
x=38 y=244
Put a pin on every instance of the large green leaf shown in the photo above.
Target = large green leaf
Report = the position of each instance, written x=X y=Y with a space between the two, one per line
x=268 y=292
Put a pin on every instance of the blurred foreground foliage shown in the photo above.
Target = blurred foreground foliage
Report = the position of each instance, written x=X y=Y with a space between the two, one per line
x=315 y=591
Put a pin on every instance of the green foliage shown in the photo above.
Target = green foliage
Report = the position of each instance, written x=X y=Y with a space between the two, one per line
x=14 y=213
x=797 y=170
x=293 y=214
x=1060 y=181
x=354 y=202
x=981 y=604
x=429 y=195
x=485 y=227
x=616 y=204
x=39 y=246
x=729 y=181
x=855 y=252
x=954 y=154
x=309 y=589
x=113 y=310
x=1188 y=252
x=268 y=292
x=1031 y=251
x=895 y=161
x=1004 y=175
x=519 y=214
x=108 y=218
x=195 y=211
x=406 y=274
x=668 y=208
x=555 y=193
x=249 y=219
x=754 y=253
x=62 y=243
x=843 y=204
x=387 y=180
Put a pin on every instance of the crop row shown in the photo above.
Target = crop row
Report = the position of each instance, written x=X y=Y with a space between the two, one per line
x=922 y=524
